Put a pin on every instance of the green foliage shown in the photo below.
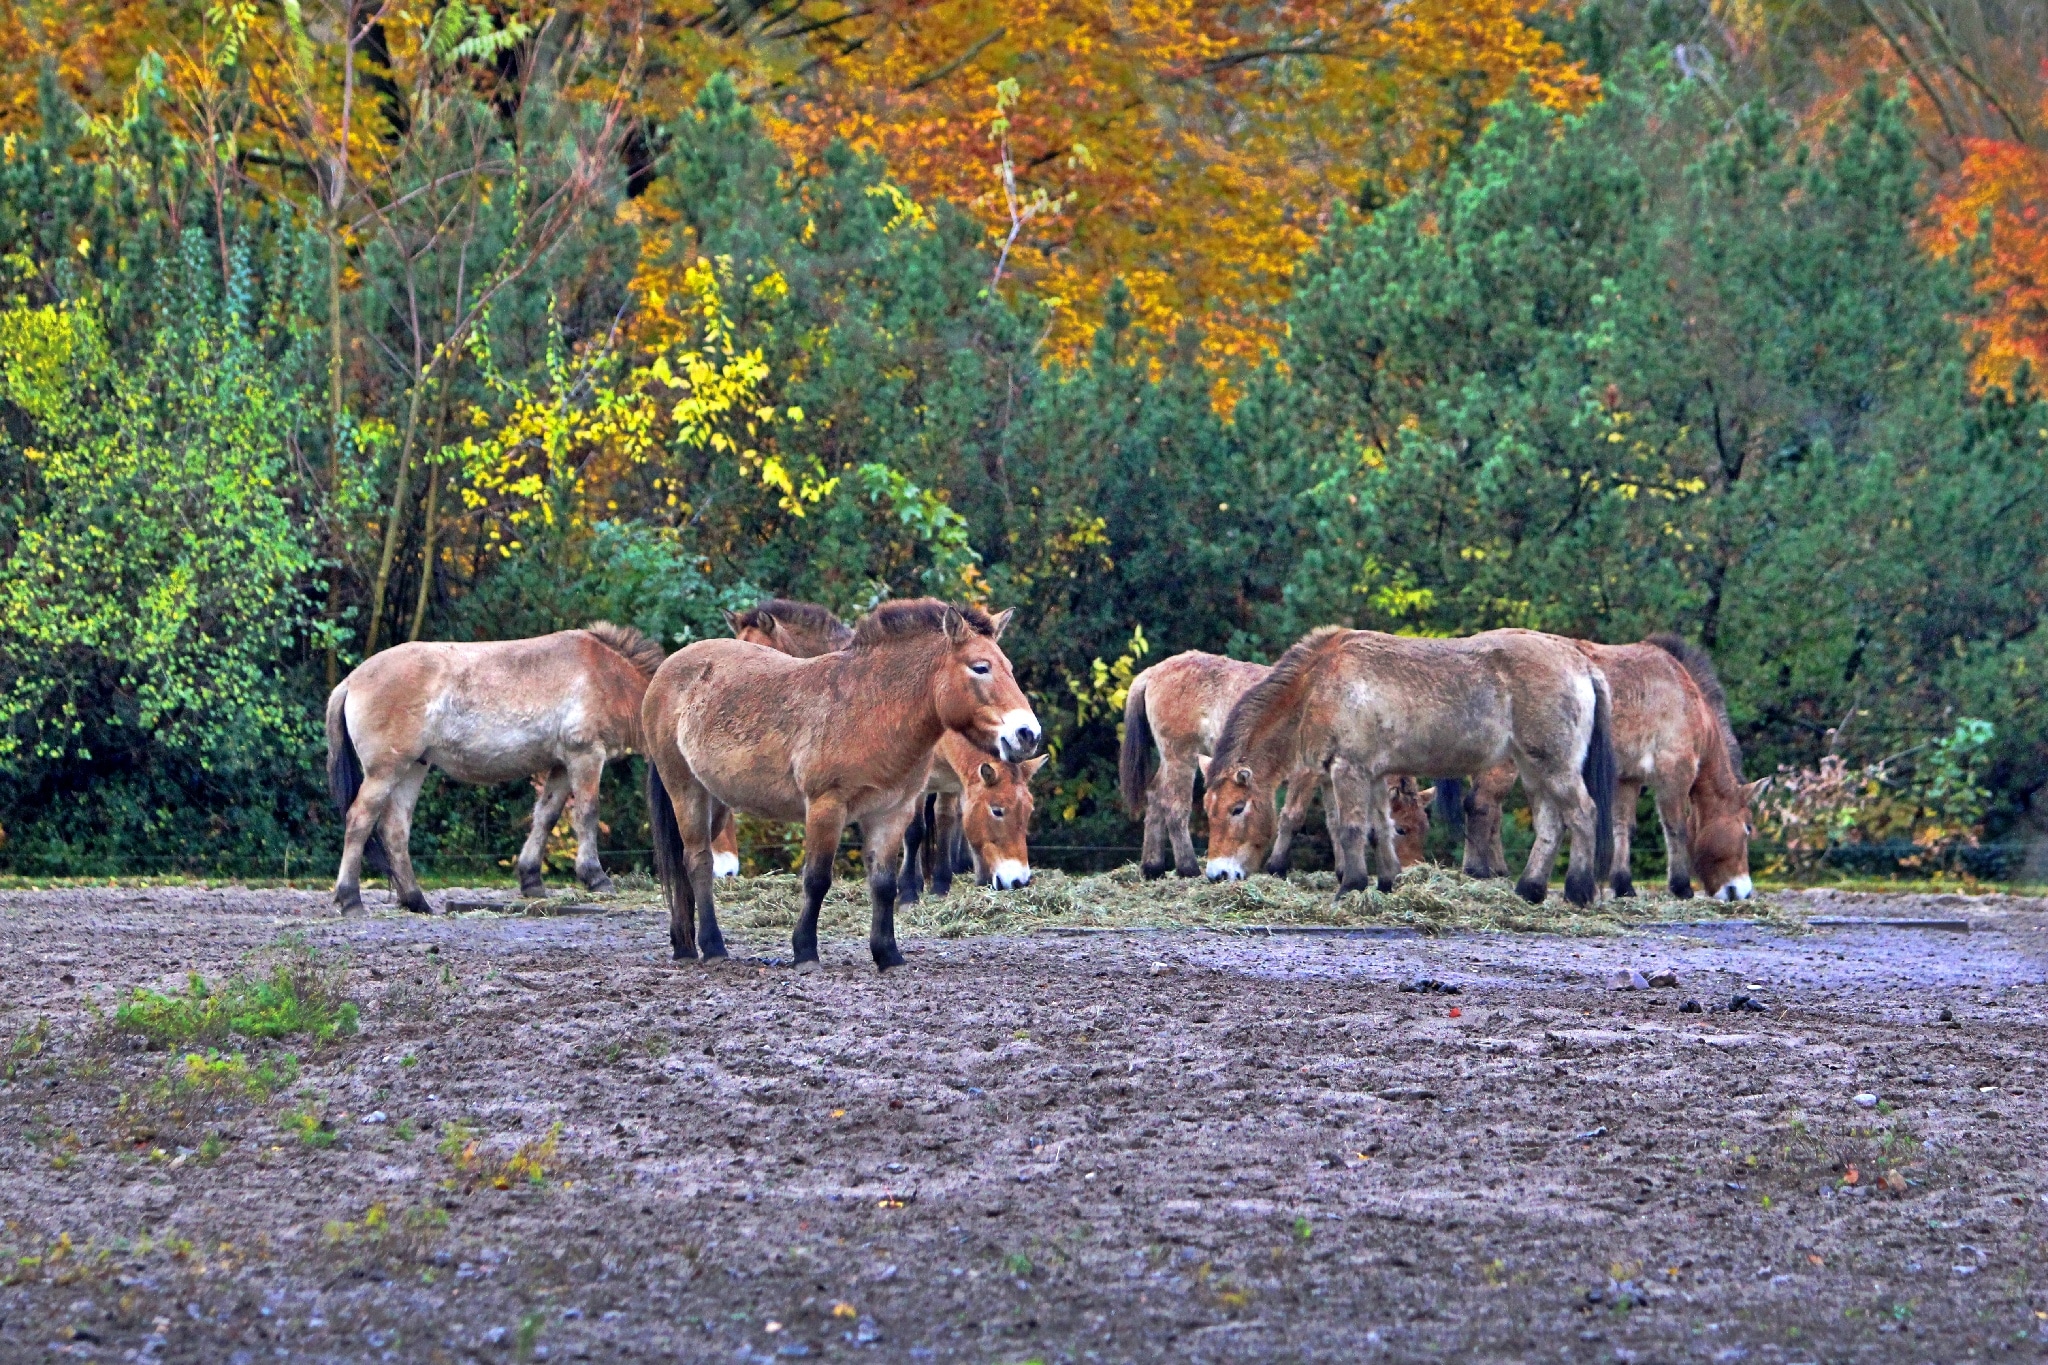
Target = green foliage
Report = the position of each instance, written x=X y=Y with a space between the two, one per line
x=213 y=1075
x=300 y=996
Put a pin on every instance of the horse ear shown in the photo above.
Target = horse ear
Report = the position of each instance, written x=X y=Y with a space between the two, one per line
x=1243 y=776
x=779 y=633
x=956 y=627
x=1001 y=620
x=987 y=774
x=732 y=620
x=1756 y=789
x=1032 y=765
x=1203 y=761
x=1425 y=796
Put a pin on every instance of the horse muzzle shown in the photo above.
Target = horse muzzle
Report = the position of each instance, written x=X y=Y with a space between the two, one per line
x=1741 y=889
x=1009 y=874
x=1018 y=736
x=1225 y=870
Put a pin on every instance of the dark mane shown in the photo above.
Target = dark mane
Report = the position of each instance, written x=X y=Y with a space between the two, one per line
x=1695 y=661
x=1251 y=708
x=915 y=616
x=805 y=616
x=644 y=654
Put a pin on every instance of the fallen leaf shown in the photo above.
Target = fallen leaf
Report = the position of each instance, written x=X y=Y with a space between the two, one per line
x=1851 y=1176
x=838 y=1113
x=1457 y=1013
x=889 y=1203
x=843 y=1309
x=1895 y=1182
x=1816 y=1260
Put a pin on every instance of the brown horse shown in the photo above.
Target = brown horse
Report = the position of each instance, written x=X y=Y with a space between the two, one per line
x=1362 y=705
x=982 y=800
x=483 y=713
x=842 y=738
x=802 y=630
x=1179 y=705
x=1671 y=734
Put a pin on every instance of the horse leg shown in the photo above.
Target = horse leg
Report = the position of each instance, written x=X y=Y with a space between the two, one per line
x=365 y=814
x=585 y=773
x=1174 y=798
x=1625 y=796
x=1549 y=820
x=945 y=833
x=547 y=808
x=1677 y=844
x=1154 y=862
x=1380 y=810
x=910 y=881
x=725 y=846
x=881 y=847
x=698 y=835
x=397 y=832
x=1484 y=812
x=1349 y=822
x=824 y=822
x=1301 y=790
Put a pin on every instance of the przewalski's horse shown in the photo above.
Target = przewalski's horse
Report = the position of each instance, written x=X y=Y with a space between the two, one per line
x=802 y=630
x=982 y=800
x=483 y=713
x=842 y=738
x=1179 y=705
x=1671 y=734
x=1364 y=705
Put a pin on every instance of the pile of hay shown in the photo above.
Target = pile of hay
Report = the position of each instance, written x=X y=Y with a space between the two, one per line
x=1428 y=899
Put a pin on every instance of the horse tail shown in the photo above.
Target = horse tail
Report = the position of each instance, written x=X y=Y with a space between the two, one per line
x=671 y=863
x=1450 y=805
x=1131 y=761
x=1599 y=773
x=345 y=776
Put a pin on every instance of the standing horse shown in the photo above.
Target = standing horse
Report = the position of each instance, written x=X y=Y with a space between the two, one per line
x=1671 y=733
x=983 y=801
x=483 y=713
x=1179 y=705
x=802 y=630
x=842 y=738
x=1362 y=705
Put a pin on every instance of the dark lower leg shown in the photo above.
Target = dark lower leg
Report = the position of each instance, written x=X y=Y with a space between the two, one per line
x=703 y=876
x=882 y=918
x=803 y=940
x=910 y=884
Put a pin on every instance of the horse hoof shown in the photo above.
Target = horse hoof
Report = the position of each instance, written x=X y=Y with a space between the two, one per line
x=1681 y=887
x=1154 y=871
x=714 y=950
x=533 y=890
x=1386 y=884
x=351 y=904
x=1531 y=890
x=888 y=957
x=808 y=967
x=1624 y=885
x=601 y=885
x=416 y=902
x=1276 y=869
x=1578 y=889
x=1188 y=870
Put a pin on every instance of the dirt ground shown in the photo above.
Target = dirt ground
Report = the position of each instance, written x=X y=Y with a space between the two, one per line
x=547 y=1141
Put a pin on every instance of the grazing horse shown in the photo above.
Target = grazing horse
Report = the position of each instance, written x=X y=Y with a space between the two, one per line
x=802 y=630
x=1362 y=705
x=1179 y=705
x=842 y=738
x=1671 y=734
x=973 y=797
x=483 y=713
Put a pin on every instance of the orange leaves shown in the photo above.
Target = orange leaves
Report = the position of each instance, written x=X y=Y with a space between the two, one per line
x=1195 y=147
x=2006 y=182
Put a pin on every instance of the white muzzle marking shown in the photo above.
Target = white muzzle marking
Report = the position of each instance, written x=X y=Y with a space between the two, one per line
x=1741 y=889
x=1017 y=735
x=725 y=864
x=1009 y=874
x=1226 y=870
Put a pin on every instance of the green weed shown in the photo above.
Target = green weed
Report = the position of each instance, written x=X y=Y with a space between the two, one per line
x=301 y=995
x=216 y=1076
x=311 y=1127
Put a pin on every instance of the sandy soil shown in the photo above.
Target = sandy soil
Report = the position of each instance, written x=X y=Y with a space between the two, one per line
x=1184 y=1147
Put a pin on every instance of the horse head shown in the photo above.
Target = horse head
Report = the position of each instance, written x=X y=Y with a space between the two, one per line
x=995 y=815
x=1242 y=821
x=1719 y=840
x=976 y=691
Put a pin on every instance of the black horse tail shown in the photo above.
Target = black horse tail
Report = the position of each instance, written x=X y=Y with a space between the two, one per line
x=1599 y=773
x=671 y=864
x=1131 y=761
x=345 y=777
x=1450 y=805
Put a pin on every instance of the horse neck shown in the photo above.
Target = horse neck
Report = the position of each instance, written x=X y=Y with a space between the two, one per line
x=1718 y=785
x=899 y=676
x=1275 y=746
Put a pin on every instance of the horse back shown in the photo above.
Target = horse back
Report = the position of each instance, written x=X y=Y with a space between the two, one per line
x=1189 y=696
x=1660 y=718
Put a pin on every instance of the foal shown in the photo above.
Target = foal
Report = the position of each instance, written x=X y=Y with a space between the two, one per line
x=483 y=713
x=1671 y=733
x=1362 y=705
x=842 y=738
x=1178 y=705
x=982 y=800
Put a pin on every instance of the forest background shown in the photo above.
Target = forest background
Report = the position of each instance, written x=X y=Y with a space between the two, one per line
x=326 y=324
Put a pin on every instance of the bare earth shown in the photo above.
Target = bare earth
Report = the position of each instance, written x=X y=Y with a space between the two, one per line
x=1184 y=1147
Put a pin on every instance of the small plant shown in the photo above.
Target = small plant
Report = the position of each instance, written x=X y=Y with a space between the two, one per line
x=213 y=1075
x=1017 y=1263
x=529 y=1331
x=458 y=1144
x=300 y=995
x=530 y=1161
x=311 y=1127
x=211 y=1148
x=25 y=1045
x=404 y=1130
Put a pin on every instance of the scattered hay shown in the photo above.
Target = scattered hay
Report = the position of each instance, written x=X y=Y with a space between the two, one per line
x=1429 y=899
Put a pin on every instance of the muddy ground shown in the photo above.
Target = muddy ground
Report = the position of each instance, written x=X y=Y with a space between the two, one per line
x=1184 y=1147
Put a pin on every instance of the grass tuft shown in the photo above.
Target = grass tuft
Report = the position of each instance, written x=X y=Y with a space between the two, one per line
x=301 y=995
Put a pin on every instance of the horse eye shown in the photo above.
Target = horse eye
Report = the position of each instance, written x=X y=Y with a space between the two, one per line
x=1237 y=809
x=979 y=670
x=996 y=812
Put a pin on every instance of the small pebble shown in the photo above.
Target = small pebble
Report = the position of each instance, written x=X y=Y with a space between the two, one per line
x=1948 y=1016
x=1691 y=1007
x=1866 y=1100
x=377 y=1117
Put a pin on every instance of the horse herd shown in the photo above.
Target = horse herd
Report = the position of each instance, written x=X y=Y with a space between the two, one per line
x=911 y=725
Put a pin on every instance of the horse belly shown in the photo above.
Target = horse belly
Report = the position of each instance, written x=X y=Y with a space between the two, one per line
x=1423 y=732
x=752 y=780
x=486 y=746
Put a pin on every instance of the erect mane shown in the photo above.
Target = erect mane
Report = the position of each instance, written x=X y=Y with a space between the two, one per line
x=1245 y=717
x=644 y=654
x=1701 y=667
x=806 y=616
x=915 y=616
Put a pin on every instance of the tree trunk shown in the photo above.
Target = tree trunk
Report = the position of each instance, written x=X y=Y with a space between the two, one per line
x=334 y=431
x=394 y=524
